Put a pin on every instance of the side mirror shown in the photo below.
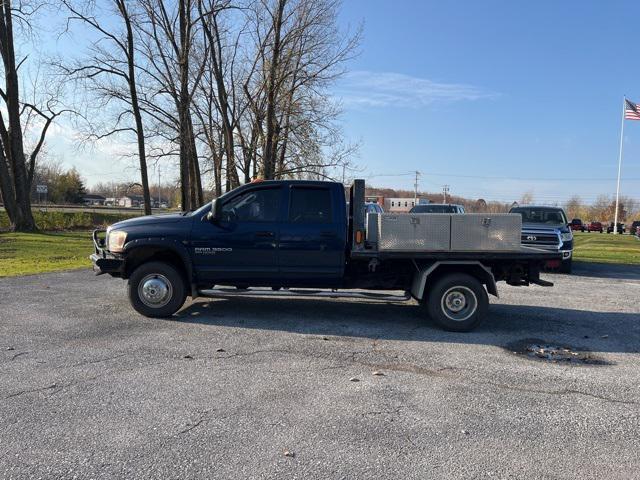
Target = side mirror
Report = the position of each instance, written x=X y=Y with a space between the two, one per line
x=214 y=214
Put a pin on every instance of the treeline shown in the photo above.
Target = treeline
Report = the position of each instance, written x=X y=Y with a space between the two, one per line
x=470 y=205
x=228 y=90
x=167 y=192
x=63 y=186
x=603 y=209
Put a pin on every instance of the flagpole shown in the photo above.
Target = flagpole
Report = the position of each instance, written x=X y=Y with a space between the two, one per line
x=615 y=221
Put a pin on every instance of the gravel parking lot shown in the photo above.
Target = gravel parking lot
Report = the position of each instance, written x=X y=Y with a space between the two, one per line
x=264 y=388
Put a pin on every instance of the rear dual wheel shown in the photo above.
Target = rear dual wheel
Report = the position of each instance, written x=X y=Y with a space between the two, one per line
x=457 y=302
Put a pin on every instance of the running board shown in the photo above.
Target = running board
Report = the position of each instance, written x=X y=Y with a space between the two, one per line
x=300 y=292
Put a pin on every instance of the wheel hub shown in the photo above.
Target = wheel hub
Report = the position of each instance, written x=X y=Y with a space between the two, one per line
x=455 y=301
x=459 y=303
x=155 y=290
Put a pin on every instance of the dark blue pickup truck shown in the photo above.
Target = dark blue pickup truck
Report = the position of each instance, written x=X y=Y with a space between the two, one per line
x=296 y=235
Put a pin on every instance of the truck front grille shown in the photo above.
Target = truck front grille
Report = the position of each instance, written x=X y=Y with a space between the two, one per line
x=540 y=239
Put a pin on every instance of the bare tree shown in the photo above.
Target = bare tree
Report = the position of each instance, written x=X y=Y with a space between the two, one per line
x=301 y=52
x=16 y=166
x=174 y=67
x=210 y=12
x=110 y=73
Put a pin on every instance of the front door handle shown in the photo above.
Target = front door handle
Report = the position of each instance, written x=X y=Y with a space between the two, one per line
x=328 y=234
x=265 y=234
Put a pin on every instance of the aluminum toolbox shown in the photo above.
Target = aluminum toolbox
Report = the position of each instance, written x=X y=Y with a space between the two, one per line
x=486 y=232
x=442 y=232
x=414 y=231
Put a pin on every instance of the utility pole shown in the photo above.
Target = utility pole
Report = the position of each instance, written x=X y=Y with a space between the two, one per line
x=445 y=190
x=415 y=192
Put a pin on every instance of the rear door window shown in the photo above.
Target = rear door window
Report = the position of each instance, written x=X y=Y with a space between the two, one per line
x=310 y=205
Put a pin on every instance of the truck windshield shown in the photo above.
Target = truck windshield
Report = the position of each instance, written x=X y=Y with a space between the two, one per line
x=550 y=216
x=434 y=209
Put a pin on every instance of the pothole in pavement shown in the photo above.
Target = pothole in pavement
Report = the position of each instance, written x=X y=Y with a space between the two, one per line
x=552 y=352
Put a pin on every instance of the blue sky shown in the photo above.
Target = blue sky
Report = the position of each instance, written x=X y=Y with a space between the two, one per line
x=528 y=90
x=494 y=98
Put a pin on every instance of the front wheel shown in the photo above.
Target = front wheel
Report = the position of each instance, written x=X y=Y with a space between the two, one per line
x=457 y=302
x=566 y=266
x=156 y=289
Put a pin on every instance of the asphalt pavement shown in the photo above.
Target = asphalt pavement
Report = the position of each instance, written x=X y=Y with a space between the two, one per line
x=319 y=388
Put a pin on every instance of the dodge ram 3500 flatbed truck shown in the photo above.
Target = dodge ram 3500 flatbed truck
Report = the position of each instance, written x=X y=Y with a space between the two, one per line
x=299 y=235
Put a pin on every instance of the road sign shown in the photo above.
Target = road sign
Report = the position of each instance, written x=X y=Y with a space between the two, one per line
x=41 y=188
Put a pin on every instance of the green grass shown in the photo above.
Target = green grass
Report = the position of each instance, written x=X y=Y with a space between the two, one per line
x=29 y=253
x=60 y=221
x=606 y=248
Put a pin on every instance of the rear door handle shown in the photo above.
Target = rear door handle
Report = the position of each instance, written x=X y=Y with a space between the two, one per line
x=328 y=234
x=265 y=234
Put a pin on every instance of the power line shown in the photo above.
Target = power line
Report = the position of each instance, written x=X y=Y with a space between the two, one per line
x=492 y=177
x=568 y=179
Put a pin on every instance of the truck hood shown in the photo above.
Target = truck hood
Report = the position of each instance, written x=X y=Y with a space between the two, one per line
x=545 y=227
x=149 y=220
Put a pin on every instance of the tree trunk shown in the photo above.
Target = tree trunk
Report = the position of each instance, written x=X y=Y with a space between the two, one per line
x=196 y=180
x=23 y=219
x=186 y=155
x=135 y=106
x=270 y=145
x=213 y=36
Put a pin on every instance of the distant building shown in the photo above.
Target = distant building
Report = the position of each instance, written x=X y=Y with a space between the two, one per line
x=374 y=199
x=130 y=201
x=91 y=199
x=400 y=205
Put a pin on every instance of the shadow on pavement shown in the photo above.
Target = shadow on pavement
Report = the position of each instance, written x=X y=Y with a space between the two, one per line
x=398 y=321
x=606 y=270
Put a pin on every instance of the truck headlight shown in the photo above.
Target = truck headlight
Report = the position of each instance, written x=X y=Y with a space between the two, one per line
x=115 y=240
x=566 y=236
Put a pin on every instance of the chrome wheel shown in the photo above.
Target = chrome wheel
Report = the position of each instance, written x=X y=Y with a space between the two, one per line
x=155 y=290
x=459 y=303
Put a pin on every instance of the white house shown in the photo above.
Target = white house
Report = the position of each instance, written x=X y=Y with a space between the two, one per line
x=399 y=205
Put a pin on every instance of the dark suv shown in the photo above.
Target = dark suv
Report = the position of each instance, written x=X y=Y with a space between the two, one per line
x=621 y=228
x=635 y=228
x=547 y=228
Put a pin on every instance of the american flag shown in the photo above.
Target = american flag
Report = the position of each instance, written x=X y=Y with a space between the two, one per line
x=631 y=111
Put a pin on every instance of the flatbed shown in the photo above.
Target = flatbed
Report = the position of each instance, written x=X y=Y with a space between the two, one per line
x=300 y=236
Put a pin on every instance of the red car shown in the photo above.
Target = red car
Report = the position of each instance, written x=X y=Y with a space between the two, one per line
x=576 y=225
x=594 y=227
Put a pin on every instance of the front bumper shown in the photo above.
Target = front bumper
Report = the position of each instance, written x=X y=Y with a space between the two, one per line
x=103 y=260
x=566 y=252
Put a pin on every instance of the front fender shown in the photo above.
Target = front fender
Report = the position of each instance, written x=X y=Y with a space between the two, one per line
x=155 y=245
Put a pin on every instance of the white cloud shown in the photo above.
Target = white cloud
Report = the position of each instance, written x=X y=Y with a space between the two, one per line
x=364 y=88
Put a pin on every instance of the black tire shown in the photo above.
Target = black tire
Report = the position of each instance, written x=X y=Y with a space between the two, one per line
x=566 y=266
x=469 y=291
x=167 y=278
